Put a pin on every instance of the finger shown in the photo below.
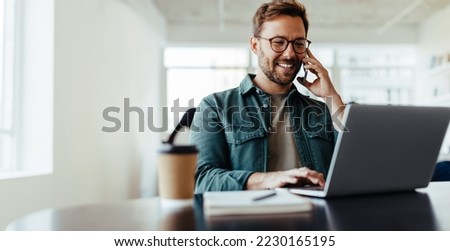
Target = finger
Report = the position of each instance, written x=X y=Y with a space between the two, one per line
x=308 y=61
x=309 y=53
x=311 y=59
x=291 y=179
x=311 y=67
x=304 y=82
x=295 y=171
x=302 y=172
x=318 y=179
x=315 y=68
x=313 y=176
x=285 y=177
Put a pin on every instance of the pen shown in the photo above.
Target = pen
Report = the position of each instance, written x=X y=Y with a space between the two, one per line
x=265 y=196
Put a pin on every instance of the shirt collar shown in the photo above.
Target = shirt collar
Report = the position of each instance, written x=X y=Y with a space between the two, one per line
x=247 y=85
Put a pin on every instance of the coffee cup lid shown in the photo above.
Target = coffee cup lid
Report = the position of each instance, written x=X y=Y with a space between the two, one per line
x=179 y=149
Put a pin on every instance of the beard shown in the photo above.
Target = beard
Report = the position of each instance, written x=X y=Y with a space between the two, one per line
x=269 y=69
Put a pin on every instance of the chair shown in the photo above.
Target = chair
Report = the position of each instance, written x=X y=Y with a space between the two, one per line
x=185 y=121
x=442 y=171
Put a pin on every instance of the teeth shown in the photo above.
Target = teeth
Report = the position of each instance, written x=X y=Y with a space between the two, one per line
x=286 y=65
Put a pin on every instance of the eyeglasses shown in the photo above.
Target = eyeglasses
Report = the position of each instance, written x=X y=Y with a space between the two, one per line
x=280 y=44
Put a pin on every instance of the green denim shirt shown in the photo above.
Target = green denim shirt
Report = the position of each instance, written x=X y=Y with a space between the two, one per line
x=231 y=128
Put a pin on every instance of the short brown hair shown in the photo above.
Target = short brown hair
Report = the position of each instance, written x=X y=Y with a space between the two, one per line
x=274 y=9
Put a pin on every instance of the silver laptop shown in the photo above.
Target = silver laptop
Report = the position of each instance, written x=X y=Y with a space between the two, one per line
x=384 y=149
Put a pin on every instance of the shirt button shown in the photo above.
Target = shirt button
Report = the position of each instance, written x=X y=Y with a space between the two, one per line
x=269 y=128
x=258 y=91
x=265 y=105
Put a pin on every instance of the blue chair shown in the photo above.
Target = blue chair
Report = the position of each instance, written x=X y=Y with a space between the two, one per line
x=442 y=171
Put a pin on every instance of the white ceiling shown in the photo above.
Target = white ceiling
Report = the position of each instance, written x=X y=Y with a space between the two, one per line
x=379 y=17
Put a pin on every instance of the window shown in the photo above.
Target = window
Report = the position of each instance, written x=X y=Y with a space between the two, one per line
x=26 y=87
x=377 y=74
x=193 y=73
x=7 y=31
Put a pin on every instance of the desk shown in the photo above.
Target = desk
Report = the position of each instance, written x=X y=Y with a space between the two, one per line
x=426 y=209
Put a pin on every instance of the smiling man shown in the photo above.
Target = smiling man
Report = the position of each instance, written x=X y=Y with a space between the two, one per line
x=264 y=134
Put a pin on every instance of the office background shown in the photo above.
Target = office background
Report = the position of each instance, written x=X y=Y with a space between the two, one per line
x=99 y=52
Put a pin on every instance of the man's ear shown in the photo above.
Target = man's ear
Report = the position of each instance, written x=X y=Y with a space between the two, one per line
x=254 y=44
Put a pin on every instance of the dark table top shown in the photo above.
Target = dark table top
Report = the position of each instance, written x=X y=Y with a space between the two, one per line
x=425 y=209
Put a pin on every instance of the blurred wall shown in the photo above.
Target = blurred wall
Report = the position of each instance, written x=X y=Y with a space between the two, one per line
x=433 y=71
x=105 y=51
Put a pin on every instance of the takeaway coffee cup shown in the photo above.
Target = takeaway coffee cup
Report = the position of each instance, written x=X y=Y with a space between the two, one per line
x=176 y=170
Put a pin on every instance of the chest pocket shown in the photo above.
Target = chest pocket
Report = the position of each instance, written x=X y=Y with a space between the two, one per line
x=240 y=134
x=320 y=135
x=246 y=147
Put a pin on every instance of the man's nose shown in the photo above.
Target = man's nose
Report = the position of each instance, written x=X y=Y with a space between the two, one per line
x=289 y=52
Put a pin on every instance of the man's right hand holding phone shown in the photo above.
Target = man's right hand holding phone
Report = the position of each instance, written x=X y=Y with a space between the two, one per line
x=322 y=85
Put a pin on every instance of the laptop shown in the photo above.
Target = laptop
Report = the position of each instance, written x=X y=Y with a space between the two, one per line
x=384 y=148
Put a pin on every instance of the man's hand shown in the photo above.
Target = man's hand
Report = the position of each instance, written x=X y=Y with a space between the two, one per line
x=322 y=85
x=295 y=176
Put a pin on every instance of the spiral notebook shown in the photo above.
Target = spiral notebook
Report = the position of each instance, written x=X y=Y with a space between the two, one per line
x=254 y=202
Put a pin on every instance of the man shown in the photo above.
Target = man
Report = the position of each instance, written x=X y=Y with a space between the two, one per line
x=264 y=134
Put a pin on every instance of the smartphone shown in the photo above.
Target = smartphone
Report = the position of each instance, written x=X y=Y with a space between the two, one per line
x=302 y=73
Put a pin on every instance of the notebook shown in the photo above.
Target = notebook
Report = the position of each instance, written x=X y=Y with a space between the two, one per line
x=253 y=202
x=385 y=149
